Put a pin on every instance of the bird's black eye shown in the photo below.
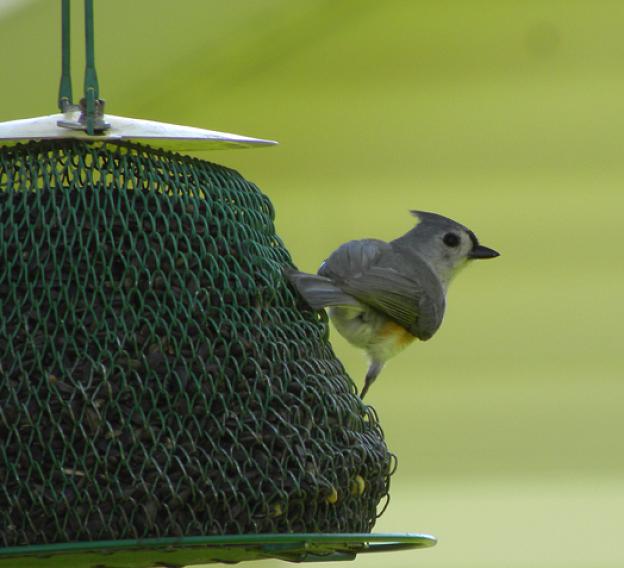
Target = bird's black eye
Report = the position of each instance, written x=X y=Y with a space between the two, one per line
x=451 y=239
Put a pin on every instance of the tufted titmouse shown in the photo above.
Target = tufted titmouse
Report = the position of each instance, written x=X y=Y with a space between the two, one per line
x=381 y=296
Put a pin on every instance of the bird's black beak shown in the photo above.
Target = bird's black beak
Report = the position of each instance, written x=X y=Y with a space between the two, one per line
x=479 y=251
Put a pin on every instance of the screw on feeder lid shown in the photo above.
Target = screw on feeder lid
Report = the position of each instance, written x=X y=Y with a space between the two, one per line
x=99 y=124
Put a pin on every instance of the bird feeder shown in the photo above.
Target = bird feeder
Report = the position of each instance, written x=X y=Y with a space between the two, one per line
x=165 y=397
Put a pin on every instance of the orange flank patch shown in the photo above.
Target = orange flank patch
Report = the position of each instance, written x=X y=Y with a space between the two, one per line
x=392 y=331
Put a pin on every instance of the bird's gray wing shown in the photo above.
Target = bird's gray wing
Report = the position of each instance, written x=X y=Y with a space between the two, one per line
x=376 y=275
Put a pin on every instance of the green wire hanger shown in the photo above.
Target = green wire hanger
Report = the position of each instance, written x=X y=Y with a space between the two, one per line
x=92 y=116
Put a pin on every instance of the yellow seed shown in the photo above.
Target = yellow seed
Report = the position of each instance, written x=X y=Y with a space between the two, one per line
x=358 y=485
x=332 y=498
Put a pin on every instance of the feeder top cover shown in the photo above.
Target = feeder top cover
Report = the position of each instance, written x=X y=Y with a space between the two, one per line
x=122 y=129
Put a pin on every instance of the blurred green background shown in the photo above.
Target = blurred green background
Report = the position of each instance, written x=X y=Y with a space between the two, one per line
x=507 y=116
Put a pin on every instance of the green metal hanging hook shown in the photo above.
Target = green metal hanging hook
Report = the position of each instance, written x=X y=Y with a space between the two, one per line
x=92 y=116
x=91 y=87
x=65 y=87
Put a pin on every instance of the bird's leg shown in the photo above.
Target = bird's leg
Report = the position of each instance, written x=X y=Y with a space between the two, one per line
x=371 y=375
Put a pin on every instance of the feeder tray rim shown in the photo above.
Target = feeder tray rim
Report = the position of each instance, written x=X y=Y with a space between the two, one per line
x=296 y=547
x=123 y=129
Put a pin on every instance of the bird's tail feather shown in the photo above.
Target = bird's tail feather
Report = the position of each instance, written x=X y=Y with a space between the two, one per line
x=319 y=292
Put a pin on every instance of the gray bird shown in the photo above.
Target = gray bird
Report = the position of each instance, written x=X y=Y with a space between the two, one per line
x=381 y=296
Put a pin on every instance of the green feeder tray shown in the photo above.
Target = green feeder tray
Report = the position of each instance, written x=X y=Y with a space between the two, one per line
x=166 y=399
x=179 y=552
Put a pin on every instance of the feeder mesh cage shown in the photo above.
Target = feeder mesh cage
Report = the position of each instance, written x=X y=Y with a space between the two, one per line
x=158 y=376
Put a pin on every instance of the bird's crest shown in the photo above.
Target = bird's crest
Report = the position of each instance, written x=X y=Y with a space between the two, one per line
x=427 y=218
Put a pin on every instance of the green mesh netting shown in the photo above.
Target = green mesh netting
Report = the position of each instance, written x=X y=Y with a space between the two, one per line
x=158 y=377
